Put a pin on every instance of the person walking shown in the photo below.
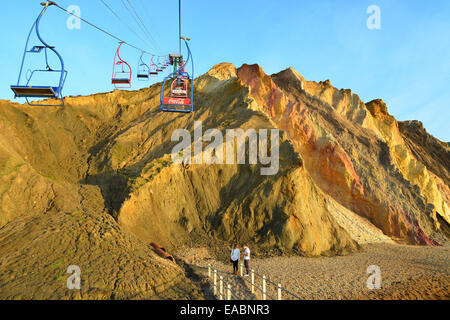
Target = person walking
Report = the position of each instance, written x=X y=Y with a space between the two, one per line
x=246 y=260
x=235 y=257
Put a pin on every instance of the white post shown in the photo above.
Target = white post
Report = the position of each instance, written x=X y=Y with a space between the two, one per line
x=229 y=292
x=253 y=281
x=264 y=288
x=279 y=291
x=209 y=271
x=215 y=282
x=221 y=288
x=242 y=269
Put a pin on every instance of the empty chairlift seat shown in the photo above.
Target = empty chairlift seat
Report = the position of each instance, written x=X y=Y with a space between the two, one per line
x=24 y=87
x=121 y=76
x=153 y=68
x=143 y=71
x=35 y=91
x=121 y=81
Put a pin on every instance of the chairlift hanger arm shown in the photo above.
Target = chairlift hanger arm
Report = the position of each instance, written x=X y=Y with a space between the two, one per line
x=115 y=80
x=24 y=89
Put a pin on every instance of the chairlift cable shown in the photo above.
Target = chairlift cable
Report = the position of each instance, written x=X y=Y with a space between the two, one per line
x=148 y=16
x=136 y=21
x=179 y=24
x=148 y=41
x=121 y=20
x=99 y=29
x=143 y=24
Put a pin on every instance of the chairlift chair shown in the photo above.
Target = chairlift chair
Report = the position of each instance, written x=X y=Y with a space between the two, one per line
x=153 y=68
x=23 y=88
x=121 y=76
x=181 y=93
x=159 y=66
x=143 y=73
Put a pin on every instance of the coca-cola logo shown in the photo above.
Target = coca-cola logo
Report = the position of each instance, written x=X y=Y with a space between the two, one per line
x=175 y=101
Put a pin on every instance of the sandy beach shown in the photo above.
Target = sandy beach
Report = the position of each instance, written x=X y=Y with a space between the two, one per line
x=407 y=273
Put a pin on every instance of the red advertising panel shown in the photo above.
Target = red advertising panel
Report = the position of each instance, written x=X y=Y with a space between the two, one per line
x=179 y=101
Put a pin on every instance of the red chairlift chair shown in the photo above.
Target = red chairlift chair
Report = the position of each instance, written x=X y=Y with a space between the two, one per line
x=121 y=76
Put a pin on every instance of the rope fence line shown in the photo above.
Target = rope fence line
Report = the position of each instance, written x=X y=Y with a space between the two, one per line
x=218 y=288
x=212 y=274
x=277 y=285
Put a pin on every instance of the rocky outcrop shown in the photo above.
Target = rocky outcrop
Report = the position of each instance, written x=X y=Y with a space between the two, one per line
x=37 y=251
x=355 y=153
x=49 y=222
x=93 y=183
x=434 y=154
x=432 y=188
x=233 y=203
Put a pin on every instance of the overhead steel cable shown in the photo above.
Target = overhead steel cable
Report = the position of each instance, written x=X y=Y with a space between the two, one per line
x=100 y=29
x=148 y=16
x=129 y=28
x=179 y=23
x=121 y=20
x=143 y=24
x=136 y=20
x=149 y=41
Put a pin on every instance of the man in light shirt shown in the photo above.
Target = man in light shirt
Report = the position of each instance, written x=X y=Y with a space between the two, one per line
x=235 y=257
x=247 y=260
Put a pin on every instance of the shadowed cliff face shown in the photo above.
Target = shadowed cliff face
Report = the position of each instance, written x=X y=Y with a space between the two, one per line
x=120 y=143
x=434 y=154
x=231 y=203
x=96 y=176
x=51 y=218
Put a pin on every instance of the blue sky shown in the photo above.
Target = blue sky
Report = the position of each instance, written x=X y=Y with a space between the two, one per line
x=406 y=63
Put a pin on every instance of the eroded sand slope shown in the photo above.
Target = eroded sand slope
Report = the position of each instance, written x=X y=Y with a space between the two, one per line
x=93 y=183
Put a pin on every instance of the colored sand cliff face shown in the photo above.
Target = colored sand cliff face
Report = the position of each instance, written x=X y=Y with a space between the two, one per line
x=355 y=153
x=233 y=203
x=94 y=184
